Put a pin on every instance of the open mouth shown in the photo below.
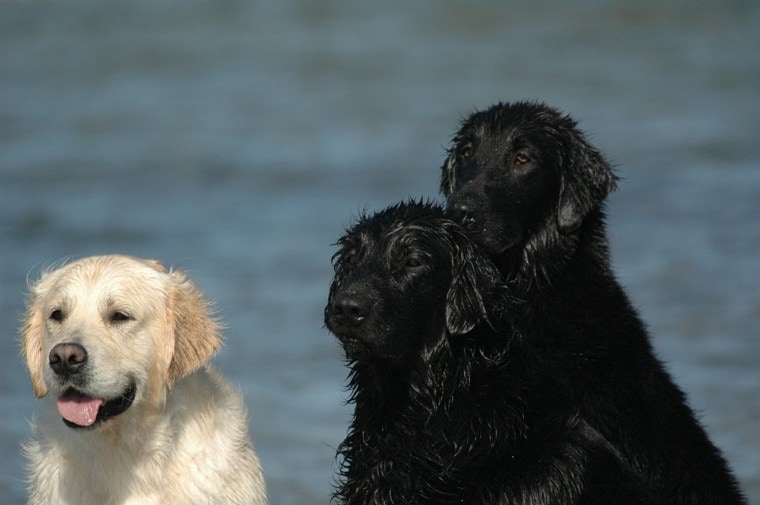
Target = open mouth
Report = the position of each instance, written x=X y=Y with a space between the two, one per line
x=81 y=411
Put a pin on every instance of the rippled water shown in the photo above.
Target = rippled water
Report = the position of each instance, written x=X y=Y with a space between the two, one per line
x=237 y=139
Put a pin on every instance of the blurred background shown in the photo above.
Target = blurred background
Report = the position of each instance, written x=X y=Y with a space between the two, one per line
x=237 y=139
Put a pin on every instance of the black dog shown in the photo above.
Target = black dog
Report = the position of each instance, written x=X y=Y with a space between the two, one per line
x=451 y=407
x=531 y=189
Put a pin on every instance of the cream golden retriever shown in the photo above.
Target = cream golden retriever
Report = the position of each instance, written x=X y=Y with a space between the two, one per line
x=118 y=346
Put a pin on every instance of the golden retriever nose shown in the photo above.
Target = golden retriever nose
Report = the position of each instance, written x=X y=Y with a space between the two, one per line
x=67 y=359
x=349 y=310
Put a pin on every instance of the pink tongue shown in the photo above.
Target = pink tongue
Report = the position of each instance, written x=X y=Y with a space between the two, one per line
x=81 y=410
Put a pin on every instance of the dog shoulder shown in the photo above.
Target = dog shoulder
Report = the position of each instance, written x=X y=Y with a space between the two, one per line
x=214 y=423
x=211 y=392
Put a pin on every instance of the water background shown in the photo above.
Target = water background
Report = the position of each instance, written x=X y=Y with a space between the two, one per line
x=236 y=139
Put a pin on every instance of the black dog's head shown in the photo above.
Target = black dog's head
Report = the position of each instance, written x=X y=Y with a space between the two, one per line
x=405 y=278
x=514 y=169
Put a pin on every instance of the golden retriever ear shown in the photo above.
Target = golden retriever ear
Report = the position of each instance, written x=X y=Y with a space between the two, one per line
x=32 y=342
x=194 y=333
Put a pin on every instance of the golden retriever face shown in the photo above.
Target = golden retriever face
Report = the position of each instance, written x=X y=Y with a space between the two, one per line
x=106 y=332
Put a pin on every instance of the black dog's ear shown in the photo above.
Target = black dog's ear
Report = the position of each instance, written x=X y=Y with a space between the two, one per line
x=587 y=178
x=470 y=298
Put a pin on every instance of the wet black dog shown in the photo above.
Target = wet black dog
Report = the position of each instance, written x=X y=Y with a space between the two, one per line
x=531 y=188
x=451 y=407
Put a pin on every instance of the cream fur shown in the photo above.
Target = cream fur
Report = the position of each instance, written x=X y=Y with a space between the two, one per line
x=184 y=439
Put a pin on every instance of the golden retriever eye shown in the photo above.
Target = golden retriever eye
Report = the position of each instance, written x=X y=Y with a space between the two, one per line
x=521 y=158
x=57 y=315
x=120 y=317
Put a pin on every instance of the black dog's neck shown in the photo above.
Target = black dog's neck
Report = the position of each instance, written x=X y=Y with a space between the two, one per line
x=571 y=290
x=429 y=384
x=546 y=262
x=458 y=418
x=377 y=386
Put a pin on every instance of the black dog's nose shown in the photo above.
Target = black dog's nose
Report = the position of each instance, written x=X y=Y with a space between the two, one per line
x=67 y=359
x=456 y=205
x=459 y=211
x=348 y=309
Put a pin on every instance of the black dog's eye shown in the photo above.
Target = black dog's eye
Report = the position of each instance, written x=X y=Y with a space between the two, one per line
x=521 y=158
x=414 y=262
x=466 y=151
x=348 y=259
x=120 y=317
x=57 y=315
x=343 y=259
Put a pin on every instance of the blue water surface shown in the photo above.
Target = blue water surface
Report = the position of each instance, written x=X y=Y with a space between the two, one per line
x=237 y=139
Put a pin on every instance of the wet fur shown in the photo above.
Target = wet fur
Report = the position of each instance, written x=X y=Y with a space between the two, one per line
x=183 y=412
x=451 y=406
x=530 y=188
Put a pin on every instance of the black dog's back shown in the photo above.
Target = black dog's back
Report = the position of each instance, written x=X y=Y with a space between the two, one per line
x=451 y=406
x=514 y=157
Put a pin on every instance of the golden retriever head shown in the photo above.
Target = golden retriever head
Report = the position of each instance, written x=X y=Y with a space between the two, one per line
x=104 y=331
